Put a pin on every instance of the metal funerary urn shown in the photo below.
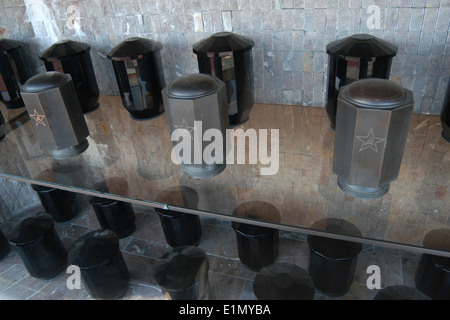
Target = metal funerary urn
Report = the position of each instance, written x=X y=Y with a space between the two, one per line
x=372 y=126
x=55 y=111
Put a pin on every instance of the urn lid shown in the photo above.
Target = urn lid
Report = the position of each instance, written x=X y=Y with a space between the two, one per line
x=134 y=48
x=283 y=281
x=363 y=46
x=193 y=86
x=181 y=268
x=224 y=42
x=28 y=228
x=45 y=81
x=63 y=50
x=7 y=45
x=94 y=248
x=375 y=93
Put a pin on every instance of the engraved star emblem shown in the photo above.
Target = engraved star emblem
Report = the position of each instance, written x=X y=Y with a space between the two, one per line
x=369 y=141
x=38 y=118
x=185 y=126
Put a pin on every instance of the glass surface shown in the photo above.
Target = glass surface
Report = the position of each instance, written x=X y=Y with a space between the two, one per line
x=130 y=160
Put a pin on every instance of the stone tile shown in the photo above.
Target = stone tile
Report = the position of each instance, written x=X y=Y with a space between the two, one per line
x=219 y=241
x=247 y=291
x=141 y=291
x=224 y=287
x=32 y=284
x=390 y=268
x=232 y=267
x=14 y=274
x=57 y=290
x=148 y=227
x=16 y=292
x=140 y=268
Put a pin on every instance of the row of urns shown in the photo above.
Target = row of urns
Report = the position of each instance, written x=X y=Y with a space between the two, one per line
x=225 y=55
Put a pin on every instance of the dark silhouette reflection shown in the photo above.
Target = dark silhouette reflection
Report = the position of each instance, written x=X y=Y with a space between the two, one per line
x=258 y=210
x=140 y=76
x=101 y=263
x=433 y=273
x=257 y=245
x=114 y=215
x=332 y=261
x=228 y=56
x=74 y=58
x=356 y=57
x=61 y=204
x=5 y=248
x=2 y=127
x=180 y=228
x=36 y=241
x=14 y=72
x=182 y=274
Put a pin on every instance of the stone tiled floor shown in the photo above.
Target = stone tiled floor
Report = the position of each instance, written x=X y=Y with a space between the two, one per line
x=228 y=277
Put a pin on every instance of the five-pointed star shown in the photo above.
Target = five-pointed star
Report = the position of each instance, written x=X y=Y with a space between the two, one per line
x=369 y=141
x=186 y=127
x=38 y=118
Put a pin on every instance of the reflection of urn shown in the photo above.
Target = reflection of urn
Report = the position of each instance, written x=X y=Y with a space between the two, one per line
x=52 y=103
x=103 y=268
x=73 y=57
x=356 y=57
x=36 y=241
x=182 y=274
x=180 y=228
x=140 y=76
x=228 y=56
x=332 y=262
x=433 y=272
x=13 y=73
x=152 y=146
x=258 y=246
